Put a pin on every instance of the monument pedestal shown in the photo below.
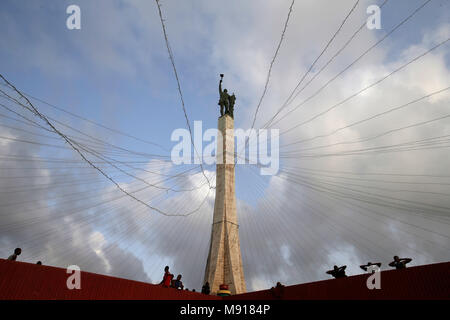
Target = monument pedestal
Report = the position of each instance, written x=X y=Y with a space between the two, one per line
x=224 y=265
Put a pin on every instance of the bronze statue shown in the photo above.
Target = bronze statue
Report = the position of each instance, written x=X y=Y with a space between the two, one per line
x=232 y=101
x=226 y=102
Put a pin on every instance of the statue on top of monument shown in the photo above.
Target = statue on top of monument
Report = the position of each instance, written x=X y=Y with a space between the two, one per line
x=232 y=101
x=226 y=102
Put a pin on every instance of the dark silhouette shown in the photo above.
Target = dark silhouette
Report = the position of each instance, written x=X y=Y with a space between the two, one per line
x=39 y=263
x=205 y=288
x=177 y=284
x=167 y=279
x=338 y=272
x=226 y=102
x=232 y=102
x=365 y=266
x=193 y=290
x=400 y=263
x=278 y=290
x=16 y=253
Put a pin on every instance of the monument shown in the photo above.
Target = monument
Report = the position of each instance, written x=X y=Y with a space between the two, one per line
x=224 y=264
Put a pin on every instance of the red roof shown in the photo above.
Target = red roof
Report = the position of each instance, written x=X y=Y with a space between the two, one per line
x=430 y=281
x=20 y=280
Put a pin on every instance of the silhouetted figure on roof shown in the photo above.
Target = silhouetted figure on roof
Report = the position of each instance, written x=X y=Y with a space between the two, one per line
x=338 y=272
x=177 y=284
x=16 y=253
x=167 y=279
x=365 y=266
x=206 y=289
x=400 y=263
x=39 y=263
x=278 y=290
x=193 y=290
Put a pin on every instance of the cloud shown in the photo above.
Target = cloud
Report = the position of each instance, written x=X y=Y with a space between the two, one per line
x=35 y=217
x=293 y=226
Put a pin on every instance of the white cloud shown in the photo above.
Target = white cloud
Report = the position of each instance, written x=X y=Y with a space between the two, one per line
x=289 y=231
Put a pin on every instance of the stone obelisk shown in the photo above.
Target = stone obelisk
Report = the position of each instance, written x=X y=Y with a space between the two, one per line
x=224 y=265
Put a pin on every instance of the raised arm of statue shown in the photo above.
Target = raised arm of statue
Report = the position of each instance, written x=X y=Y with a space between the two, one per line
x=220 y=87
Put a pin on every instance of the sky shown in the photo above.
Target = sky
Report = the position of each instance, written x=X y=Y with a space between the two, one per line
x=115 y=71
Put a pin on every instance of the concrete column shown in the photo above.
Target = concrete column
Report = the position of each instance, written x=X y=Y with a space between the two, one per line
x=224 y=265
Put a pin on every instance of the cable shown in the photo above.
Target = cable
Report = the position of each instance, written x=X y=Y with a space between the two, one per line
x=93 y=122
x=272 y=62
x=360 y=57
x=37 y=113
x=317 y=59
x=179 y=88
x=365 y=139
x=366 y=88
